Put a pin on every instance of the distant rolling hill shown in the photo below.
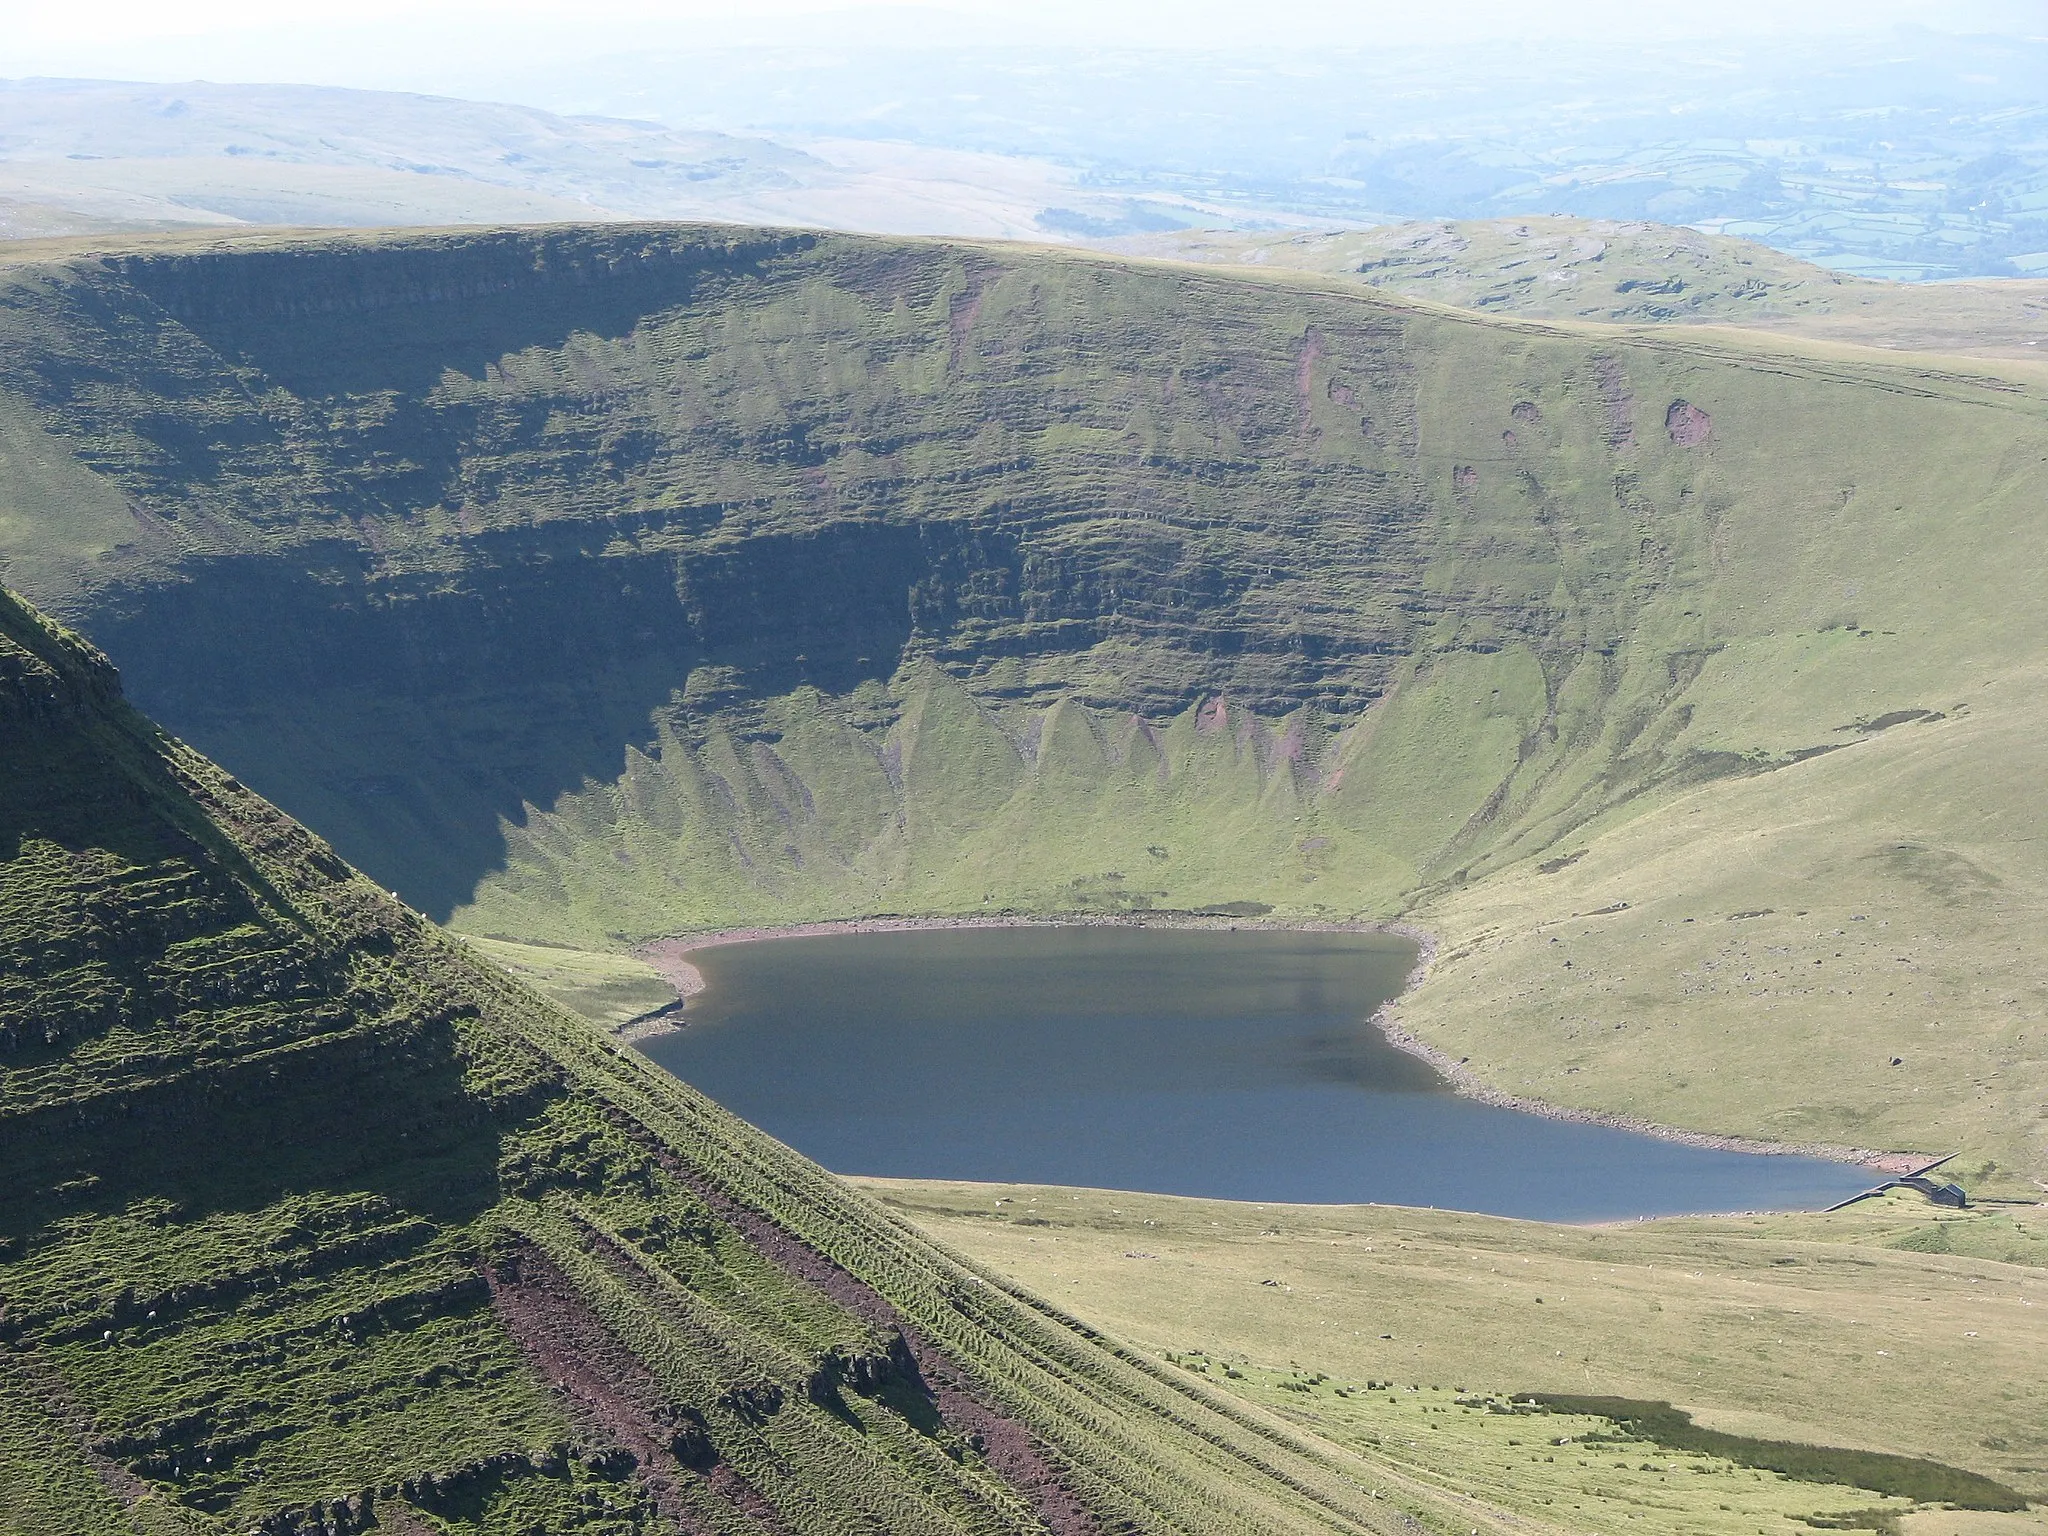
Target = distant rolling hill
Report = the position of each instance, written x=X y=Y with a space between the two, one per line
x=1630 y=272
x=84 y=157
x=102 y=154
x=590 y=584
x=1896 y=151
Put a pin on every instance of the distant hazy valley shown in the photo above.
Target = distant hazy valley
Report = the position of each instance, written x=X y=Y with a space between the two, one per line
x=1913 y=155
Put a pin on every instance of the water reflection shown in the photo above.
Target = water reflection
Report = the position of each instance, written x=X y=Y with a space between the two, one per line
x=1238 y=1065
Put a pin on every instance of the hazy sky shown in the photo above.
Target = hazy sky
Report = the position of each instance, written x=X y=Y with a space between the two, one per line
x=436 y=43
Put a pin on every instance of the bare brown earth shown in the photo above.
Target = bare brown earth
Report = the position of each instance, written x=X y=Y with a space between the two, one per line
x=1011 y=1449
x=610 y=1394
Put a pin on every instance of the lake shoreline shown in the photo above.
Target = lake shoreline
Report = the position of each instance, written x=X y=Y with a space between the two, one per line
x=669 y=957
x=1467 y=1083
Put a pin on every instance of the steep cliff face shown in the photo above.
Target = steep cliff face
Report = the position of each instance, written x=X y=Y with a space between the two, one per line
x=1019 y=459
x=313 y=1223
x=425 y=532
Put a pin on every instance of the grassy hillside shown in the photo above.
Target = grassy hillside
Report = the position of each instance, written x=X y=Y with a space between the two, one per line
x=1626 y=271
x=314 y=1222
x=1888 y=1328
x=590 y=585
x=1869 y=919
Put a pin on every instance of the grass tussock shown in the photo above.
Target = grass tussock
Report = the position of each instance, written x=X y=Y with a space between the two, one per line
x=1408 y=1333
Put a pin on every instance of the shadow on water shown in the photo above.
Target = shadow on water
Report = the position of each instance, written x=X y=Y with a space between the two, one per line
x=1235 y=1065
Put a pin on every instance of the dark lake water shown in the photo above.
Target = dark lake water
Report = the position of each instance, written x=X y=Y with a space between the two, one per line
x=1238 y=1065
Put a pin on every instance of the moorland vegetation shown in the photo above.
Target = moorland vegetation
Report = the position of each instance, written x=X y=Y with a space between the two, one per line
x=1626 y=271
x=590 y=584
x=313 y=1222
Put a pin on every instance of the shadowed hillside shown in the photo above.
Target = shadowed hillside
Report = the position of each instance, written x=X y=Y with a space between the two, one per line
x=590 y=585
x=313 y=1223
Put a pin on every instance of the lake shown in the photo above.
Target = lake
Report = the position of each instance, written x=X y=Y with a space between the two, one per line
x=1191 y=1062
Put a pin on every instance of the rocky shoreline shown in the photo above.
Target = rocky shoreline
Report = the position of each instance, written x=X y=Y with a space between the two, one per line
x=669 y=957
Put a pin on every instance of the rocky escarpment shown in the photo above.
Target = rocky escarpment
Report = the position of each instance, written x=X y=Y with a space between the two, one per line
x=419 y=533
x=594 y=584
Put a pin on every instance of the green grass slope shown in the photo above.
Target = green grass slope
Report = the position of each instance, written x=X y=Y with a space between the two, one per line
x=590 y=585
x=313 y=1222
x=1847 y=950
